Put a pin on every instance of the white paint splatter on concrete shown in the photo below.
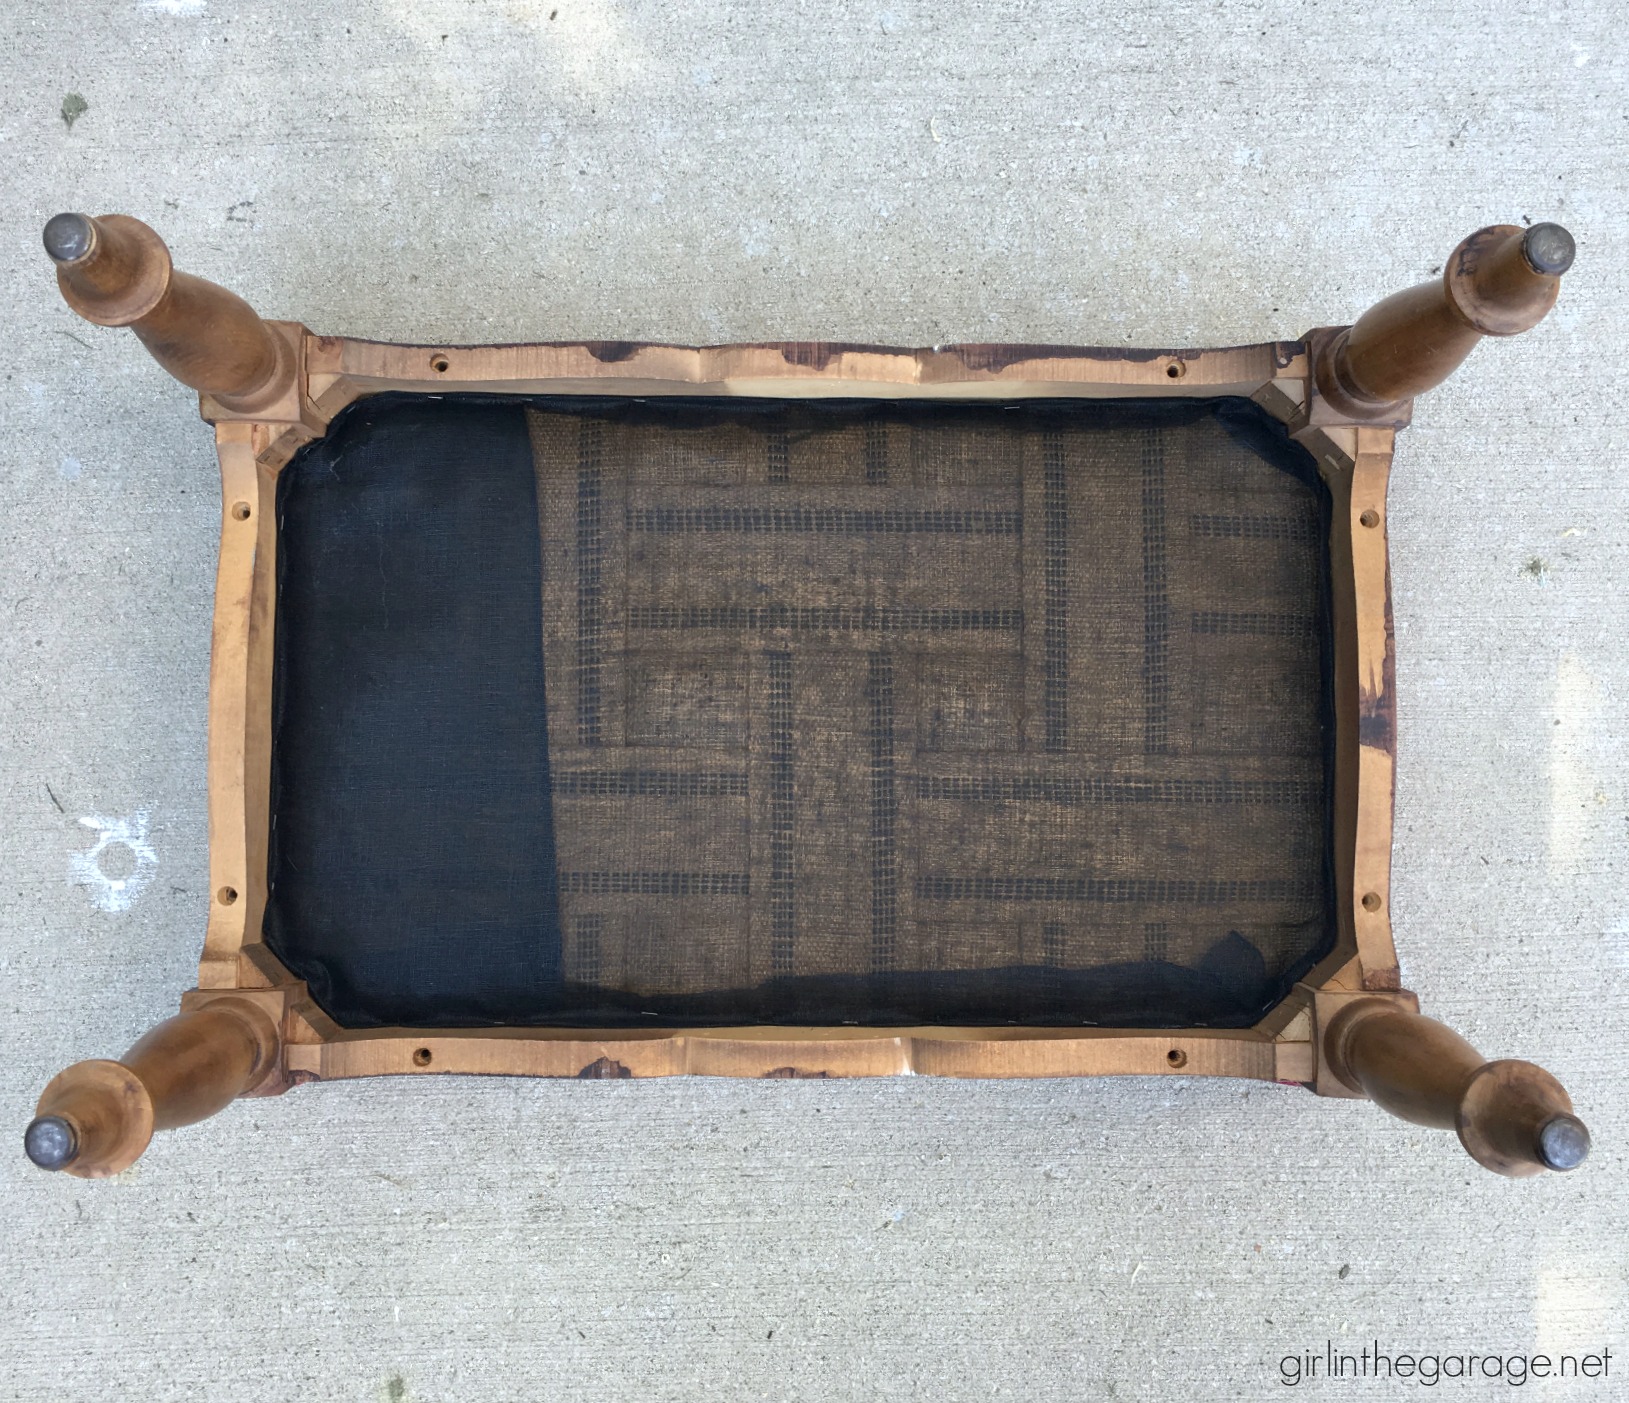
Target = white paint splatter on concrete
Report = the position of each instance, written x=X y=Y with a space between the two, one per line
x=130 y=834
x=69 y=469
x=172 y=7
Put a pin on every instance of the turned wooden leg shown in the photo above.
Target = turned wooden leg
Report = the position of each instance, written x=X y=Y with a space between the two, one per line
x=1501 y=280
x=115 y=271
x=1514 y=1118
x=96 y=1118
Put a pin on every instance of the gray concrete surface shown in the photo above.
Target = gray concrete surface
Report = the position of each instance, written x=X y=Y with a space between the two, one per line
x=1114 y=173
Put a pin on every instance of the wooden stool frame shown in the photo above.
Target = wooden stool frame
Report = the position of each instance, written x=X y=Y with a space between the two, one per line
x=1347 y=1030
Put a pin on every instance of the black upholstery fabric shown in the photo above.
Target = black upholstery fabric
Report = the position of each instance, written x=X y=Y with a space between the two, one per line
x=412 y=854
x=604 y=712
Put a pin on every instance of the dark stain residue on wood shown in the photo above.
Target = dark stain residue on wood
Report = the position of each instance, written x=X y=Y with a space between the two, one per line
x=603 y=1069
x=794 y=1074
x=817 y=355
x=993 y=358
x=1377 y=721
x=1377 y=711
x=610 y=352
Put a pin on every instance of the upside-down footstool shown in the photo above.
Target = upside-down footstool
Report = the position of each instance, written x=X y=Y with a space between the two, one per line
x=604 y=709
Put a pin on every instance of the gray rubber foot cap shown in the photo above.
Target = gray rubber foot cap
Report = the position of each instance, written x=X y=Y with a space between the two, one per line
x=1549 y=249
x=50 y=1142
x=69 y=237
x=1564 y=1142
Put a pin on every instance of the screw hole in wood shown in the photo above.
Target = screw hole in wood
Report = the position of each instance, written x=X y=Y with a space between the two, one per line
x=1176 y=370
x=1370 y=518
x=240 y=511
x=1371 y=901
x=1177 y=1057
x=226 y=895
x=421 y=1057
x=438 y=364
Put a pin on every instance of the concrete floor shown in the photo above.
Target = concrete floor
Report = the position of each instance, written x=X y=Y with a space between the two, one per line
x=1111 y=174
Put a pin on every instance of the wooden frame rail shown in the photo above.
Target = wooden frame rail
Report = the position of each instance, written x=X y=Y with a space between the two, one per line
x=1348 y=1030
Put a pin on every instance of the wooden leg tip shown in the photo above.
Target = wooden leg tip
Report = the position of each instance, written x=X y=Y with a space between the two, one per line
x=1549 y=249
x=1563 y=1143
x=69 y=237
x=51 y=1142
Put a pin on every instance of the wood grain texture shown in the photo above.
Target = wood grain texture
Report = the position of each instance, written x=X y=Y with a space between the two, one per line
x=240 y=687
x=1356 y=464
x=341 y=370
x=792 y=1053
